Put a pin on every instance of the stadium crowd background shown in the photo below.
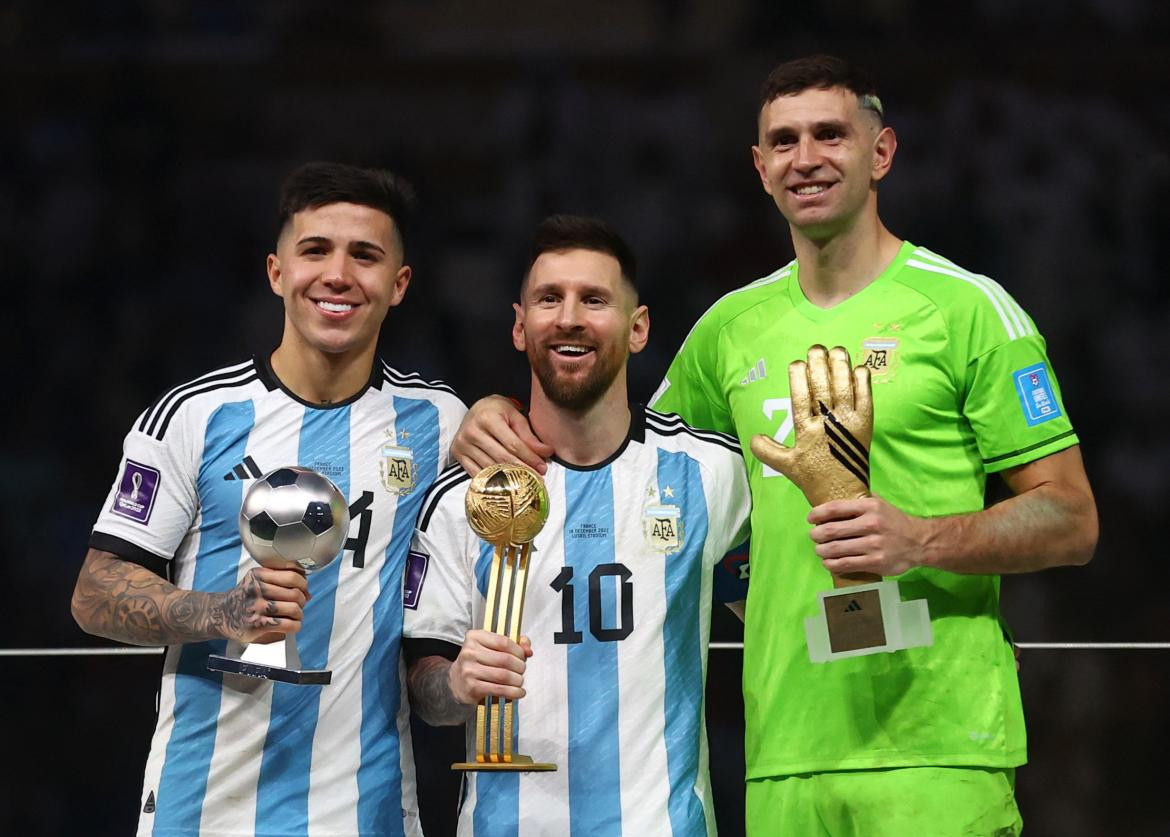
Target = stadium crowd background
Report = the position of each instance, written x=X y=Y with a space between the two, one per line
x=142 y=145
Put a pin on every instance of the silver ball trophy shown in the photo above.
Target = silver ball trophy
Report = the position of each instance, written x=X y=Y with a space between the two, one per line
x=291 y=518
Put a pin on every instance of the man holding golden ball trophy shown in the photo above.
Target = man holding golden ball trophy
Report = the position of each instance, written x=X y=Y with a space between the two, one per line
x=602 y=693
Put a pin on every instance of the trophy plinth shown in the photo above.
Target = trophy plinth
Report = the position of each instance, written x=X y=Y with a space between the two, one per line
x=507 y=506
x=271 y=661
x=292 y=518
x=865 y=619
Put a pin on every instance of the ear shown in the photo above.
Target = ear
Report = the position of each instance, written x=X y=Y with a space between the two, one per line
x=518 y=329
x=884 y=146
x=639 y=329
x=401 y=282
x=761 y=169
x=272 y=266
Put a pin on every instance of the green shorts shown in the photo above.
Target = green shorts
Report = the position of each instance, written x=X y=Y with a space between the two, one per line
x=940 y=801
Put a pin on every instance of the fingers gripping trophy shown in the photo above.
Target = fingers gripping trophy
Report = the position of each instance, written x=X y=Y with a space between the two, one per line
x=507 y=506
x=832 y=407
x=292 y=518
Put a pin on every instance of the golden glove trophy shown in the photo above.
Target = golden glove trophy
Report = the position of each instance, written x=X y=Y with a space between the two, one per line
x=507 y=506
x=832 y=408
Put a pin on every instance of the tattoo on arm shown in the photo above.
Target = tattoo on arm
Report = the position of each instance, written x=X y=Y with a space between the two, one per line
x=128 y=603
x=431 y=696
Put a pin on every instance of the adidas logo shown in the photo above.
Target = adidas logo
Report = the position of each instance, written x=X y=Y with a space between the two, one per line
x=148 y=808
x=246 y=470
x=756 y=373
x=853 y=606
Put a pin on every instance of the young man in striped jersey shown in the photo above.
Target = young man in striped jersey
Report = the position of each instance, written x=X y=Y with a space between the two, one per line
x=618 y=602
x=924 y=740
x=234 y=755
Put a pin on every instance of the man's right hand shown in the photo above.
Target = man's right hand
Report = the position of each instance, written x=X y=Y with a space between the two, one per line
x=266 y=605
x=489 y=664
x=494 y=431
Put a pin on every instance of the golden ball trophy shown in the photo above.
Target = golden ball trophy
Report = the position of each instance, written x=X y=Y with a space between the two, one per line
x=507 y=506
x=832 y=409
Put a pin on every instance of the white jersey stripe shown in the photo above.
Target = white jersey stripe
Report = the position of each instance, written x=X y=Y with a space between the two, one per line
x=991 y=288
x=1009 y=326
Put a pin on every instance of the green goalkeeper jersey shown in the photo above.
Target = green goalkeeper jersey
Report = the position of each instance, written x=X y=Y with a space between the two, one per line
x=961 y=388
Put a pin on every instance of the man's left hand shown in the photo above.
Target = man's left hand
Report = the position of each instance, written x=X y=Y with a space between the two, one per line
x=868 y=535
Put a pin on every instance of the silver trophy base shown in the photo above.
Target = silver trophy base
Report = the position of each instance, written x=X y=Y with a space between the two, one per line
x=263 y=671
x=271 y=661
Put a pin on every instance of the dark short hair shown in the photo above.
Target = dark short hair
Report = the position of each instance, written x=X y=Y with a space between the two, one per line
x=820 y=72
x=318 y=184
x=557 y=233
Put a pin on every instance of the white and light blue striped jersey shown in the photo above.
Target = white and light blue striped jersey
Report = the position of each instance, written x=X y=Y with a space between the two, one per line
x=233 y=755
x=618 y=608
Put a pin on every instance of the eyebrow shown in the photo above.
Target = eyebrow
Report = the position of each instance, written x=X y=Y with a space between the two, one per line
x=360 y=244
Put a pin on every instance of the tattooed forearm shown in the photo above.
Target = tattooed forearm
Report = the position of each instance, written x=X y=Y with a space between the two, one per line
x=430 y=693
x=128 y=603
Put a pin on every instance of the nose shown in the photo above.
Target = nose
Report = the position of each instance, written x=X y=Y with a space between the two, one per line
x=569 y=315
x=333 y=272
x=807 y=155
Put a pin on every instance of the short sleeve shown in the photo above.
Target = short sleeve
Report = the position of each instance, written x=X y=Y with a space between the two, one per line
x=153 y=501
x=438 y=585
x=1014 y=405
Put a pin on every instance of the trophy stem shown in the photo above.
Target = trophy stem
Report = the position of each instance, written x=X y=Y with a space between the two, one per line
x=495 y=716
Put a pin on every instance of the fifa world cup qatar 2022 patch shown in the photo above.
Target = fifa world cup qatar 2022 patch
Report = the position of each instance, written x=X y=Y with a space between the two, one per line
x=136 y=491
x=416 y=574
x=1036 y=395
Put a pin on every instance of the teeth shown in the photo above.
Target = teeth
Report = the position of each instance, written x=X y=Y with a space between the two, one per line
x=334 y=306
x=810 y=190
x=575 y=350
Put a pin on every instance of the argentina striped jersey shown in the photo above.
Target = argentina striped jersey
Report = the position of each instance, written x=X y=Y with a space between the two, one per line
x=233 y=755
x=618 y=608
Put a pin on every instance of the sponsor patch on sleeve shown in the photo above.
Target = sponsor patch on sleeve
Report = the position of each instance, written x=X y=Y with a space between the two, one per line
x=136 y=492
x=416 y=573
x=1036 y=395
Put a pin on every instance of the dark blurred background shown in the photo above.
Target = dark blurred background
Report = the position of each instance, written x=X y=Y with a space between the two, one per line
x=142 y=144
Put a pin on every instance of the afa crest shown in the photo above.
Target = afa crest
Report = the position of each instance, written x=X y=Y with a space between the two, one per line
x=397 y=468
x=662 y=527
x=880 y=355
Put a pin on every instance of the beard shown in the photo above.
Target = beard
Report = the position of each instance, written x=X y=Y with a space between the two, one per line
x=576 y=392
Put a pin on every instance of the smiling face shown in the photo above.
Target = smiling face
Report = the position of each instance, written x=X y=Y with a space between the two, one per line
x=820 y=156
x=578 y=320
x=339 y=269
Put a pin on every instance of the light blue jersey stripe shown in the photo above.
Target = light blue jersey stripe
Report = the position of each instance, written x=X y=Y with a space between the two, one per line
x=497 y=795
x=594 y=772
x=682 y=642
x=183 y=783
x=379 y=775
x=282 y=795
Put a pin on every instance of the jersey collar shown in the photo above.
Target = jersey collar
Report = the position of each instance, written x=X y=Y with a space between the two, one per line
x=272 y=383
x=636 y=433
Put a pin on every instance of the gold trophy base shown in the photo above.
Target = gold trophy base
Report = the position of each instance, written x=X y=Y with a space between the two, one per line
x=518 y=764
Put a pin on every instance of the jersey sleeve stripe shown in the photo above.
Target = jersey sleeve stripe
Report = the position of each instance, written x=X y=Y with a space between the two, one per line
x=151 y=417
x=450 y=478
x=1013 y=331
x=1029 y=448
x=990 y=287
x=412 y=379
x=166 y=422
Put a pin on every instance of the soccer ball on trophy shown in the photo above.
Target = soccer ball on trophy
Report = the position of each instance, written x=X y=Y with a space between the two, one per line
x=294 y=517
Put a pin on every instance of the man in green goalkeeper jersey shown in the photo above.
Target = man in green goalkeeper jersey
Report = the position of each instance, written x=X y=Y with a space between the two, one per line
x=923 y=740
